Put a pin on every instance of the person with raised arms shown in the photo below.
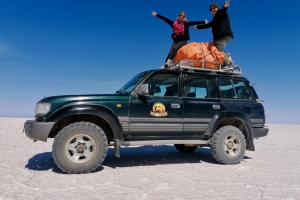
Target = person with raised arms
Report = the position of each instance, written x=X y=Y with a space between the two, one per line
x=180 y=34
x=221 y=29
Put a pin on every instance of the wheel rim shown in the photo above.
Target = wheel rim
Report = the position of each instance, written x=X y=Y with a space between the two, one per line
x=80 y=148
x=232 y=145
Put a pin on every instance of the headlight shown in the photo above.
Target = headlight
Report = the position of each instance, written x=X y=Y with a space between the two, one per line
x=42 y=108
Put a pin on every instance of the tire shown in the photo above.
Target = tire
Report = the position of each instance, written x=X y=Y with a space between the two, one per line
x=228 y=145
x=79 y=148
x=185 y=148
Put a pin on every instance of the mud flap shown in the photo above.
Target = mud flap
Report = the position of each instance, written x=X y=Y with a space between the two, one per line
x=117 y=145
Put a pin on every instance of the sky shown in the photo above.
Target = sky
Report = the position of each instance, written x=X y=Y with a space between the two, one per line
x=59 y=47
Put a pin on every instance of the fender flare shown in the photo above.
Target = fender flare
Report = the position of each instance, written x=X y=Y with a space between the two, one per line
x=100 y=111
x=235 y=115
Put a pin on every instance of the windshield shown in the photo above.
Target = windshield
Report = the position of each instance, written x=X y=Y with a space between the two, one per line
x=130 y=85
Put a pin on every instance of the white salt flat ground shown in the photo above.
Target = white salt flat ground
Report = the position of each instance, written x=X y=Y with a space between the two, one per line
x=152 y=172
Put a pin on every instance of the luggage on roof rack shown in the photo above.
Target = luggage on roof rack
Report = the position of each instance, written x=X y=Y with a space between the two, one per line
x=202 y=65
x=202 y=56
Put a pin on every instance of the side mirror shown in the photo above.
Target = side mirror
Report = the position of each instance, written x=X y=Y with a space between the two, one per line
x=143 y=90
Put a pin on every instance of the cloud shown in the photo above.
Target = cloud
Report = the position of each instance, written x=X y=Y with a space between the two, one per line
x=56 y=80
x=50 y=86
x=7 y=95
x=271 y=105
x=4 y=49
x=7 y=50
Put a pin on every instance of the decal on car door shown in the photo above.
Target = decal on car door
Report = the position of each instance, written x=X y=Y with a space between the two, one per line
x=159 y=110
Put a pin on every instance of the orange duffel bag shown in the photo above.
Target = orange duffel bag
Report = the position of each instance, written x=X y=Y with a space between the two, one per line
x=201 y=51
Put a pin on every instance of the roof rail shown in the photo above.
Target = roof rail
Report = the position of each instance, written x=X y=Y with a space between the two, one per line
x=202 y=65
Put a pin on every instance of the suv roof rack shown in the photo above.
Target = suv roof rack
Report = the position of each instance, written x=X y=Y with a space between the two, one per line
x=202 y=65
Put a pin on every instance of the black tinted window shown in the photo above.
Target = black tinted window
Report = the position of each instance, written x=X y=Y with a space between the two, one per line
x=163 y=84
x=232 y=88
x=198 y=86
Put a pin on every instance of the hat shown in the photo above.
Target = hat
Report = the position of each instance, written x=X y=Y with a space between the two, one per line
x=215 y=5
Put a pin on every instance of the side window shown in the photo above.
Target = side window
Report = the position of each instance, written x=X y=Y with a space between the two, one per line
x=163 y=85
x=231 y=88
x=198 y=87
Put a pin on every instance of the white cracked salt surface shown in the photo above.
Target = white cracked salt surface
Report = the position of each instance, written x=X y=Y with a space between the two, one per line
x=152 y=172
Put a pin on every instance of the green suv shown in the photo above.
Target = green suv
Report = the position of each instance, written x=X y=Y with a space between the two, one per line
x=186 y=108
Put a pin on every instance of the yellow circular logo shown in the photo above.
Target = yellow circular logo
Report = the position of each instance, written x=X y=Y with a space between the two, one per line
x=159 y=110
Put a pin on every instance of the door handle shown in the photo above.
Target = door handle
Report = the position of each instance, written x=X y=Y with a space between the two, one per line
x=216 y=106
x=175 y=105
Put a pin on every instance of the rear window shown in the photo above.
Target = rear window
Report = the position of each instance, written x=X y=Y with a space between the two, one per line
x=234 y=89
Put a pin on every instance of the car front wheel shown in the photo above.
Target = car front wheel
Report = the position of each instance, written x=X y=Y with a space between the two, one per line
x=79 y=148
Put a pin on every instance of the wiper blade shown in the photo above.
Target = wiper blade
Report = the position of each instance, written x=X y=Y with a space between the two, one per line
x=122 y=92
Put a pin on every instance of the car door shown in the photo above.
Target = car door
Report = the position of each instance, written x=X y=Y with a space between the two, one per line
x=200 y=103
x=159 y=113
x=236 y=96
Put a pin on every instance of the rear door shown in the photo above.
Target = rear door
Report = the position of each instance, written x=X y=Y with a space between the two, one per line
x=237 y=96
x=200 y=102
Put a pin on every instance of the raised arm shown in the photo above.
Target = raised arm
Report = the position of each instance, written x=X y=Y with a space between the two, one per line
x=168 y=21
x=226 y=4
x=196 y=23
x=207 y=25
x=223 y=10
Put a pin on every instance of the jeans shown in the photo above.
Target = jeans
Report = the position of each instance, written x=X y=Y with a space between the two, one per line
x=174 y=48
x=220 y=44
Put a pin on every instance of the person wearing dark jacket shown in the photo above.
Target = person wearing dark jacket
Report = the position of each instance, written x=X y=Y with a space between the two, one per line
x=180 y=33
x=221 y=29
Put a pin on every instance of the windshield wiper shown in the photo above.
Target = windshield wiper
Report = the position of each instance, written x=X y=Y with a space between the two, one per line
x=122 y=92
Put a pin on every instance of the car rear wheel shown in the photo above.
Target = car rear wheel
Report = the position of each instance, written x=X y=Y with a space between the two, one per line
x=228 y=145
x=79 y=148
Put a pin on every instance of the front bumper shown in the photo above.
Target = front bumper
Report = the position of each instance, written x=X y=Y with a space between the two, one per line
x=38 y=130
x=260 y=132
